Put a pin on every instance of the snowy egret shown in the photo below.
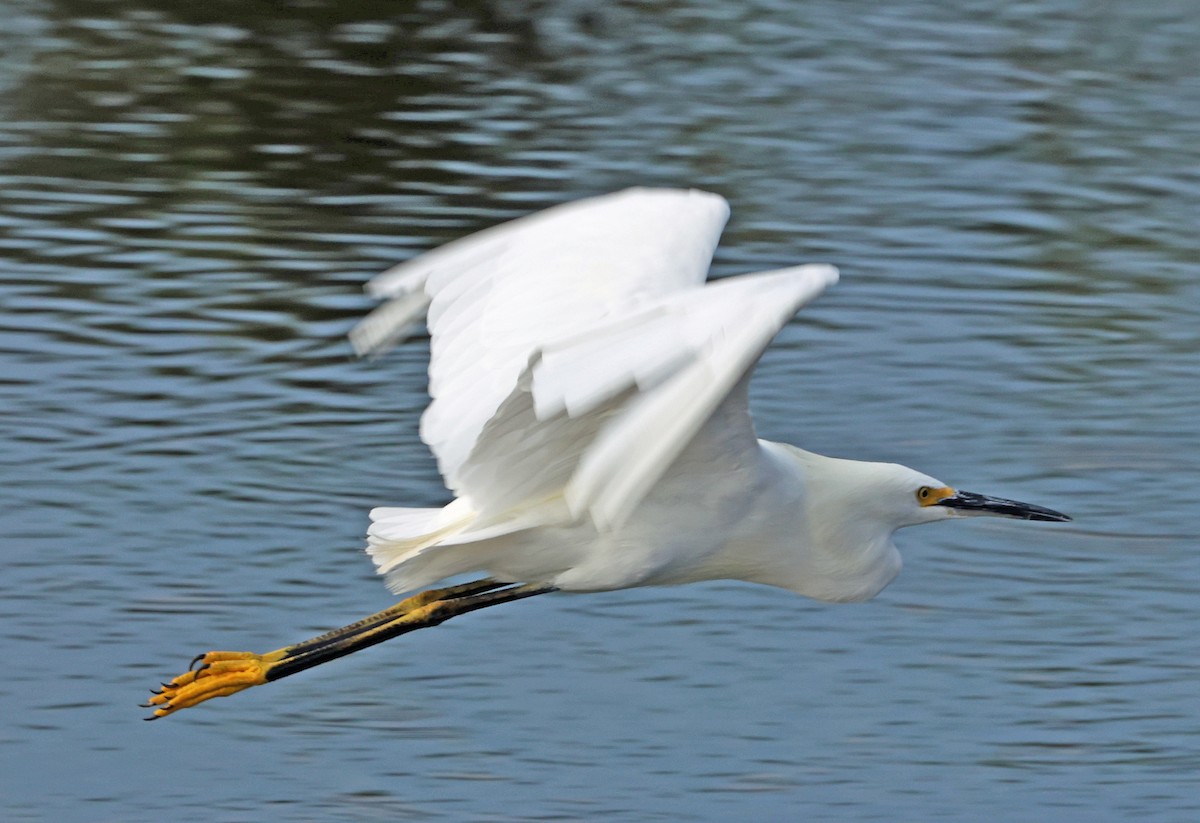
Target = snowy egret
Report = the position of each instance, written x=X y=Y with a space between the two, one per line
x=590 y=415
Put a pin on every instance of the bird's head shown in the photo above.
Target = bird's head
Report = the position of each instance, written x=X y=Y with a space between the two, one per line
x=909 y=498
x=851 y=511
x=889 y=496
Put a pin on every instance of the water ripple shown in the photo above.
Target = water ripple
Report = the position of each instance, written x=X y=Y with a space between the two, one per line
x=188 y=207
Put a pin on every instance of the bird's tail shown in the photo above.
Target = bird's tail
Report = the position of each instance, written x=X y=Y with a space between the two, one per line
x=399 y=542
x=416 y=547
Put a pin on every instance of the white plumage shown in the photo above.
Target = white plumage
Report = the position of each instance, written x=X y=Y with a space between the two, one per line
x=590 y=414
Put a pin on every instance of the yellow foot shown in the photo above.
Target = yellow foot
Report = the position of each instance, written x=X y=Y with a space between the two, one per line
x=216 y=674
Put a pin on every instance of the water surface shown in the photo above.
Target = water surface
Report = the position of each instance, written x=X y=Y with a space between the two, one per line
x=190 y=199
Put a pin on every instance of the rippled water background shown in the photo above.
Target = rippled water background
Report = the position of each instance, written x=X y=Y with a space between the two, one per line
x=190 y=198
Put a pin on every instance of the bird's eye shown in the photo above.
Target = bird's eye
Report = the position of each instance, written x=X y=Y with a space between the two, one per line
x=923 y=493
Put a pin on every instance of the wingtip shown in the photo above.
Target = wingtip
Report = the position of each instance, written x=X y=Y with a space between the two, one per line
x=828 y=272
x=813 y=277
x=388 y=324
x=820 y=276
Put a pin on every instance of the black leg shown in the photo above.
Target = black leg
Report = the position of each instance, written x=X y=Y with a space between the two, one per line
x=224 y=673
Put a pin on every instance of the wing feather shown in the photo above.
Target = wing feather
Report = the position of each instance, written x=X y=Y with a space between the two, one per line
x=495 y=298
x=576 y=353
x=733 y=324
x=598 y=418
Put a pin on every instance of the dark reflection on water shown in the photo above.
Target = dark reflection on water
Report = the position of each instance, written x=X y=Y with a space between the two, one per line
x=190 y=197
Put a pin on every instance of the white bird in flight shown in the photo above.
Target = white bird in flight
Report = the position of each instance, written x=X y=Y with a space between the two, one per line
x=590 y=416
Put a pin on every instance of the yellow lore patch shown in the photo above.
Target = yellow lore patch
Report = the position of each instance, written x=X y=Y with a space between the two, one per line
x=929 y=496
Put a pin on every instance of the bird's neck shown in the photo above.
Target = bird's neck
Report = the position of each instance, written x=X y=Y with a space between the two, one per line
x=838 y=551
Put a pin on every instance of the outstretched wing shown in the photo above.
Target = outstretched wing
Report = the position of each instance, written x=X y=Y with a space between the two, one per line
x=575 y=352
x=497 y=296
x=600 y=416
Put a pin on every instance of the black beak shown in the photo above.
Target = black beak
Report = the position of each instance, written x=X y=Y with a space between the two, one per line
x=971 y=503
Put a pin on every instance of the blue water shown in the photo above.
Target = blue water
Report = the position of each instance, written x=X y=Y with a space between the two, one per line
x=190 y=199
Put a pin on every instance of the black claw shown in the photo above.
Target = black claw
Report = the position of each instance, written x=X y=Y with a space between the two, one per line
x=157 y=691
x=165 y=687
x=196 y=660
x=152 y=717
